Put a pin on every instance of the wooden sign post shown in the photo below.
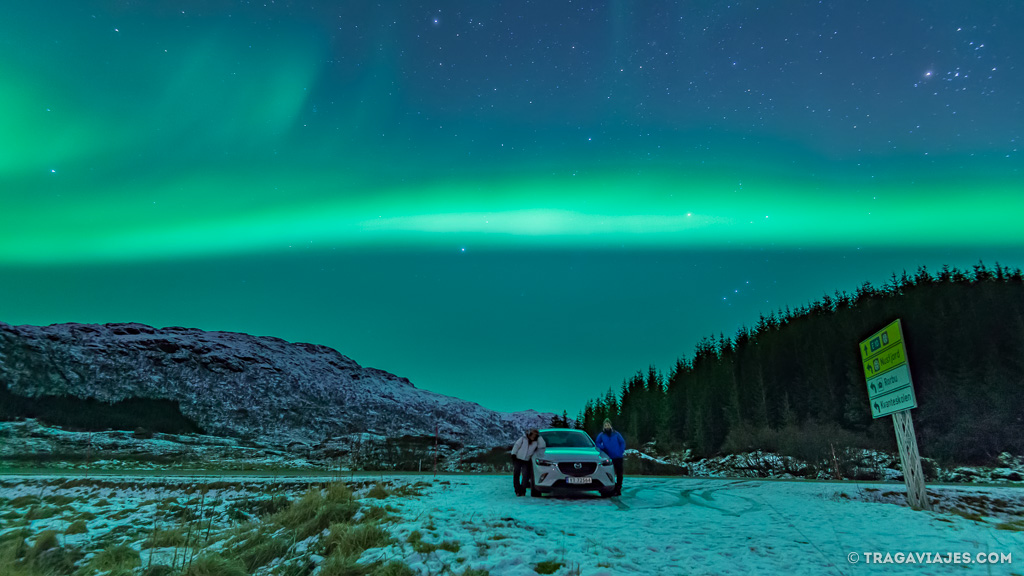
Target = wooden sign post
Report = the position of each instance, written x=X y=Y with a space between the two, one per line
x=891 y=391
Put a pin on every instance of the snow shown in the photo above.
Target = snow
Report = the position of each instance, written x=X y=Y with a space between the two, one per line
x=659 y=525
x=687 y=526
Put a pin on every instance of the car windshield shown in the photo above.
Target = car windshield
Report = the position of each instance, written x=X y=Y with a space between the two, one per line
x=567 y=439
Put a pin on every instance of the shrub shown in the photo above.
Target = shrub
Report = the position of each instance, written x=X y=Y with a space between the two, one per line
x=44 y=541
x=77 y=527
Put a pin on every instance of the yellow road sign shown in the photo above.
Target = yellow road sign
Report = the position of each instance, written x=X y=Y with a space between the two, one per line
x=884 y=357
x=883 y=351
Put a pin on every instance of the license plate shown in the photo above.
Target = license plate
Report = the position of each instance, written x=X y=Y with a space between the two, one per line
x=580 y=480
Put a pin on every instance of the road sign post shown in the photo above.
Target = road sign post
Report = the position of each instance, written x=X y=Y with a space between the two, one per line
x=891 y=391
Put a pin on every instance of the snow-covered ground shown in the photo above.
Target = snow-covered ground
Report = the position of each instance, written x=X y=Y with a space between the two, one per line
x=685 y=526
x=659 y=526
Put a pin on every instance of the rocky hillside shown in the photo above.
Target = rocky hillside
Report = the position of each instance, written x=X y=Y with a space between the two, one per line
x=238 y=385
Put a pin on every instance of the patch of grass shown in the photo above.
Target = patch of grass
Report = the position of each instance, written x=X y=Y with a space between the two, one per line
x=338 y=492
x=376 y=514
x=22 y=501
x=215 y=565
x=77 y=527
x=118 y=534
x=59 y=499
x=159 y=570
x=340 y=565
x=968 y=515
x=449 y=546
x=313 y=513
x=86 y=515
x=41 y=512
x=52 y=561
x=406 y=490
x=13 y=546
x=393 y=568
x=122 y=514
x=349 y=540
x=44 y=541
x=103 y=502
x=1016 y=525
x=547 y=567
x=379 y=491
x=161 y=538
x=500 y=537
x=268 y=506
x=259 y=549
x=115 y=558
x=418 y=545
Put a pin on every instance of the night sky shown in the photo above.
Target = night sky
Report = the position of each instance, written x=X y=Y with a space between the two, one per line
x=516 y=203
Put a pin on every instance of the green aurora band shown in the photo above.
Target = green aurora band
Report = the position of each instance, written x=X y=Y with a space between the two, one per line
x=194 y=217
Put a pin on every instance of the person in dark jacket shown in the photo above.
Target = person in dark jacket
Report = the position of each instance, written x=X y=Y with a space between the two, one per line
x=522 y=452
x=614 y=445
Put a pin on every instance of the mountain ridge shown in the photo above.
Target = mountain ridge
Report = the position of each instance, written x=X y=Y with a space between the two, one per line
x=239 y=385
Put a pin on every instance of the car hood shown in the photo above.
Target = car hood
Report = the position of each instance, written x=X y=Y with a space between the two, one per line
x=574 y=454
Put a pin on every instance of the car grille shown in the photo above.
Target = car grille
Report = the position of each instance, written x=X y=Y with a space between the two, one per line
x=570 y=469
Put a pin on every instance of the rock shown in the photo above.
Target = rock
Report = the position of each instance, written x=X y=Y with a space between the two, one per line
x=237 y=385
x=1006 y=474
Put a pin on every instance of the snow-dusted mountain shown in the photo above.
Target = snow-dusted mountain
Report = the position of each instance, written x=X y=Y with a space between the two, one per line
x=240 y=385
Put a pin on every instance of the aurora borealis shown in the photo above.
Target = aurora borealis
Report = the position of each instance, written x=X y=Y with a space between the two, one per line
x=519 y=203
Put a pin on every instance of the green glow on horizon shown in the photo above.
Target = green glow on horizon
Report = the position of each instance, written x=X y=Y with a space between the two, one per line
x=194 y=217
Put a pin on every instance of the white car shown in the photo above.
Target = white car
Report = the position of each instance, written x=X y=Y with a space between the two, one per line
x=571 y=461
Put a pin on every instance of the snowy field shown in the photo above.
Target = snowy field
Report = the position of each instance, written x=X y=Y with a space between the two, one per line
x=680 y=526
x=462 y=524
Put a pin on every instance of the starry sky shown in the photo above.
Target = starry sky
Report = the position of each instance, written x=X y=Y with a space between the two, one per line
x=516 y=203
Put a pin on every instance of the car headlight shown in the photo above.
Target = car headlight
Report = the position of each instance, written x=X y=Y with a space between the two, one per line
x=606 y=462
x=544 y=462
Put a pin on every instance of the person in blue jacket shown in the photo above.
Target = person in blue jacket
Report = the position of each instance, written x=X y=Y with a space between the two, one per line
x=614 y=445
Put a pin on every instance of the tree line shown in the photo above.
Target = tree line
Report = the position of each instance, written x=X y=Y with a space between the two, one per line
x=793 y=383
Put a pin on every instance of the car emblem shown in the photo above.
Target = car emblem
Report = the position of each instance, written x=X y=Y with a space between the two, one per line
x=577 y=465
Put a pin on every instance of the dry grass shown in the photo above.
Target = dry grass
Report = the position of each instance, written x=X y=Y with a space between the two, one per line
x=115 y=558
x=215 y=565
x=314 y=513
x=260 y=549
x=164 y=538
x=379 y=491
x=351 y=541
x=547 y=567
x=1015 y=526
x=76 y=527
x=263 y=531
